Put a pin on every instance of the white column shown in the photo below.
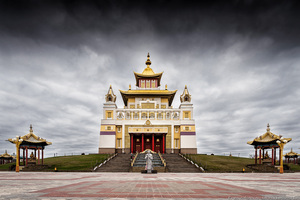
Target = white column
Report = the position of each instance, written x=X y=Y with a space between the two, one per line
x=172 y=137
x=123 y=137
x=140 y=113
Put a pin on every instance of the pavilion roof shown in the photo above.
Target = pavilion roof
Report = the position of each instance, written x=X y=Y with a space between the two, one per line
x=32 y=139
x=267 y=138
x=6 y=155
x=291 y=153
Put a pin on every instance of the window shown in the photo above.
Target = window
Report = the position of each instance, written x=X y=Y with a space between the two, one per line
x=119 y=129
x=108 y=128
x=109 y=115
x=144 y=116
x=176 y=129
x=119 y=143
x=142 y=84
x=159 y=116
x=152 y=116
x=148 y=84
x=186 y=115
x=153 y=83
x=163 y=106
x=176 y=143
x=187 y=128
x=136 y=116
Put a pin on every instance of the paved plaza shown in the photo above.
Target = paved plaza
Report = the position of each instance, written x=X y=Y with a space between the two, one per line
x=51 y=185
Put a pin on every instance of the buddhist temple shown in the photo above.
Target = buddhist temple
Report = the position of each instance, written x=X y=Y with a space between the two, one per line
x=291 y=157
x=148 y=119
x=33 y=143
x=267 y=141
x=5 y=158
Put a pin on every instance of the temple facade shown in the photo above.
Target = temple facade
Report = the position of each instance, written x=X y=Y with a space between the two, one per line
x=148 y=120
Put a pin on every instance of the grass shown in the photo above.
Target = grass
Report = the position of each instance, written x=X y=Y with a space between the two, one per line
x=78 y=163
x=75 y=163
x=213 y=163
x=295 y=168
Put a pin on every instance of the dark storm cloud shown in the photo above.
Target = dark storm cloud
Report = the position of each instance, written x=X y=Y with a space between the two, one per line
x=238 y=58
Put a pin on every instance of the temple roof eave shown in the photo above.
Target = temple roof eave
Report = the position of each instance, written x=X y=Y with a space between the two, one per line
x=31 y=138
x=141 y=75
x=169 y=94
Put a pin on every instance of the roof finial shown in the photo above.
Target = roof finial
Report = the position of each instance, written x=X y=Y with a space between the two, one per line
x=148 y=62
x=268 y=127
x=31 y=131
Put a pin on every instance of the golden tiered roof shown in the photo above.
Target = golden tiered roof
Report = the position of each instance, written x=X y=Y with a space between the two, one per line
x=292 y=154
x=148 y=73
x=32 y=138
x=6 y=155
x=268 y=137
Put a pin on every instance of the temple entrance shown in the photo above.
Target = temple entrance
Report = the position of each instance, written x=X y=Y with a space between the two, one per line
x=140 y=142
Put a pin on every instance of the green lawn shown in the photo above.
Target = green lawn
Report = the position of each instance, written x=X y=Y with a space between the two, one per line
x=295 y=168
x=221 y=163
x=75 y=163
x=80 y=163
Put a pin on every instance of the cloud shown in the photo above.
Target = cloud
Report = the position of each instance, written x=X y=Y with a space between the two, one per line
x=238 y=59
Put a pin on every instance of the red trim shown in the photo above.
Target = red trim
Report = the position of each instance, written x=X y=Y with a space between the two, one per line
x=256 y=156
x=42 y=156
x=131 y=143
x=163 y=143
x=38 y=156
x=143 y=142
x=152 y=141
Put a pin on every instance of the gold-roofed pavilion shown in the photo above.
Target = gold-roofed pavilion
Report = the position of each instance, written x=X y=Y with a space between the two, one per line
x=268 y=140
x=6 y=158
x=30 y=141
x=291 y=155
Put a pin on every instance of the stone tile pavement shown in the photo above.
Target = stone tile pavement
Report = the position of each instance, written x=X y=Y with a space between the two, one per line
x=51 y=185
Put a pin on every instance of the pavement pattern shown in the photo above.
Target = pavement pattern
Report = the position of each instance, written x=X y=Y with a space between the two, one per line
x=60 y=185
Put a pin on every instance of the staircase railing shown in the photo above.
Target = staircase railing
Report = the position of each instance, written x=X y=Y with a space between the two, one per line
x=134 y=159
x=162 y=160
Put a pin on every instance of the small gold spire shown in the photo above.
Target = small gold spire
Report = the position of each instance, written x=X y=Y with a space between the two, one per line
x=129 y=86
x=166 y=87
x=31 y=131
x=148 y=62
x=268 y=127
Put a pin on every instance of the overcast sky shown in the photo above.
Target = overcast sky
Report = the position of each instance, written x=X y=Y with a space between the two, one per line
x=239 y=59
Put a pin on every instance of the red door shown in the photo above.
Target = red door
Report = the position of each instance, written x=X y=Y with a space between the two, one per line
x=148 y=142
x=158 y=144
x=137 y=144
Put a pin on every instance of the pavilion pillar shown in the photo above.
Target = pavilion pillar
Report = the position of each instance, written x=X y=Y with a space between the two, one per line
x=38 y=156
x=255 y=156
x=42 y=156
x=163 y=143
x=263 y=155
x=279 y=156
x=143 y=142
x=35 y=153
x=259 y=156
x=23 y=157
x=26 y=156
x=152 y=141
x=294 y=160
x=131 y=143
x=272 y=156
x=19 y=155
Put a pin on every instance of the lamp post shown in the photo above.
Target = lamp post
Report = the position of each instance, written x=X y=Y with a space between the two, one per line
x=281 y=144
x=17 y=141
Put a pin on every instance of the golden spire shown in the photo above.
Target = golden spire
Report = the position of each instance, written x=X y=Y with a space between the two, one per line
x=148 y=62
x=268 y=127
x=31 y=131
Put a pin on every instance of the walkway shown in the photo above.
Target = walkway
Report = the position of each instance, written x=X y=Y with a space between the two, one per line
x=32 y=185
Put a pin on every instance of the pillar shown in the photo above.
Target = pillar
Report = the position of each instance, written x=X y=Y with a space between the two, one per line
x=294 y=160
x=163 y=143
x=42 y=156
x=152 y=141
x=19 y=155
x=263 y=155
x=143 y=142
x=26 y=156
x=279 y=155
x=23 y=157
x=259 y=155
x=272 y=156
x=131 y=143
x=35 y=153
x=38 y=156
x=256 y=156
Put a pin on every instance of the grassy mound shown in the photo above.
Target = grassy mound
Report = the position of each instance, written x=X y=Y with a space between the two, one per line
x=213 y=163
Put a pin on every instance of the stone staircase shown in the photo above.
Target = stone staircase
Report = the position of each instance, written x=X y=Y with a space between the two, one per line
x=176 y=163
x=140 y=161
x=120 y=163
